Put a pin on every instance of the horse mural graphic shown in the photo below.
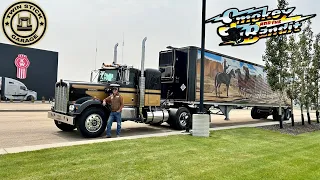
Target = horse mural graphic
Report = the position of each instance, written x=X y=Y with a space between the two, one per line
x=225 y=78
x=241 y=82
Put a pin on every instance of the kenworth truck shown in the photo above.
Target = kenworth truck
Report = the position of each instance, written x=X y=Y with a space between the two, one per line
x=168 y=94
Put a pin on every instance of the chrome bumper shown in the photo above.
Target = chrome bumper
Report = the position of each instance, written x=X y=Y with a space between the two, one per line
x=61 y=117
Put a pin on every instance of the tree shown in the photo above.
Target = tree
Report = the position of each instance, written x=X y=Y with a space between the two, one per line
x=293 y=58
x=300 y=79
x=316 y=65
x=276 y=59
x=306 y=40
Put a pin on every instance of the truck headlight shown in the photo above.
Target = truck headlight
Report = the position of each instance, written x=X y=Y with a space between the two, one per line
x=71 y=108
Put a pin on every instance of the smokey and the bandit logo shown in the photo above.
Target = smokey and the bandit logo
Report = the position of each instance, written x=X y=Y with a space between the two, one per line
x=24 y=23
x=248 y=26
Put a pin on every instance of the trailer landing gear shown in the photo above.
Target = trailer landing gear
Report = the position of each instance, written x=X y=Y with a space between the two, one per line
x=226 y=110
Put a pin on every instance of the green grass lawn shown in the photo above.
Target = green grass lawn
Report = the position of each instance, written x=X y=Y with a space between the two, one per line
x=247 y=153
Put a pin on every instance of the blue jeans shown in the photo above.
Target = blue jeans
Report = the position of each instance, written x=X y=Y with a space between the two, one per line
x=114 y=116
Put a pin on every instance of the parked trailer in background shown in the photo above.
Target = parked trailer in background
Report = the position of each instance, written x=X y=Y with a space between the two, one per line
x=15 y=90
x=168 y=94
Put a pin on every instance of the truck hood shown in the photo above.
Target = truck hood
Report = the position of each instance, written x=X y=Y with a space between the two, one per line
x=90 y=85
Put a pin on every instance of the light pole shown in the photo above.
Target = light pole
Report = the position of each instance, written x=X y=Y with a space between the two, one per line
x=203 y=35
x=202 y=119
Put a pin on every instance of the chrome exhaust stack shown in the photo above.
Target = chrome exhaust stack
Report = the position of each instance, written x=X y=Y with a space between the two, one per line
x=142 y=80
x=115 y=54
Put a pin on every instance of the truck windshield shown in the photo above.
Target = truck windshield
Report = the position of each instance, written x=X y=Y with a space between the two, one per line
x=108 y=75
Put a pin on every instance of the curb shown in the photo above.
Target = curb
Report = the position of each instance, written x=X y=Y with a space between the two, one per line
x=13 y=150
x=102 y=139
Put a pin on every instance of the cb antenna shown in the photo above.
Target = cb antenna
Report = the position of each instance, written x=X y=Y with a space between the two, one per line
x=95 y=59
x=122 y=47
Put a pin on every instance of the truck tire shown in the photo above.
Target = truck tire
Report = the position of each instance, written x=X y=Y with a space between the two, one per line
x=287 y=114
x=29 y=98
x=275 y=114
x=64 y=126
x=254 y=113
x=92 y=122
x=180 y=118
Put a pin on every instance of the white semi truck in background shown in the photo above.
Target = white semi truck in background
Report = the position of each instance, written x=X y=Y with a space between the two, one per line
x=15 y=90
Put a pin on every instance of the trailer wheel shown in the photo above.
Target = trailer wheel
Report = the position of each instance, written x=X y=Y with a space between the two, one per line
x=275 y=114
x=254 y=113
x=92 y=123
x=180 y=118
x=64 y=126
x=287 y=114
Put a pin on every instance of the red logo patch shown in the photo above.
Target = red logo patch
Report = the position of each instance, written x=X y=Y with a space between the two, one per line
x=22 y=63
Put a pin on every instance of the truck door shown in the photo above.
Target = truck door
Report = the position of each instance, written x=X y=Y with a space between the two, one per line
x=22 y=91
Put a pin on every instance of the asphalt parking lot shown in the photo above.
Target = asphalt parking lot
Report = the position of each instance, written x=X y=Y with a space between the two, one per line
x=34 y=128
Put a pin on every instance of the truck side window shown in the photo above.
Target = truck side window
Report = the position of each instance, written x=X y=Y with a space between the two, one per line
x=10 y=82
x=22 y=88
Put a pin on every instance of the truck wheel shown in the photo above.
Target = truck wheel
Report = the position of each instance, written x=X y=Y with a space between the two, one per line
x=287 y=114
x=29 y=98
x=179 y=120
x=64 y=126
x=275 y=114
x=92 y=123
x=255 y=114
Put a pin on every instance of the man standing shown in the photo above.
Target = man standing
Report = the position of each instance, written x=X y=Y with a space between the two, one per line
x=116 y=102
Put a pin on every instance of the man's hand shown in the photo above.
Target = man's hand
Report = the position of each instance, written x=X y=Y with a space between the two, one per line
x=119 y=110
x=104 y=103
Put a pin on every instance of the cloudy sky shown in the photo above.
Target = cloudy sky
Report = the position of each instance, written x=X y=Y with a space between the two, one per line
x=74 y=27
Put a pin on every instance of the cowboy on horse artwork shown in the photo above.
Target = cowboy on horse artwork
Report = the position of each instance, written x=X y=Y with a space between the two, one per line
x=223 y=78
x=225 y=66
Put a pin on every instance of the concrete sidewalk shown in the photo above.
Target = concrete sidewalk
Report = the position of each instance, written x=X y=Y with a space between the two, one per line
x=99 y=140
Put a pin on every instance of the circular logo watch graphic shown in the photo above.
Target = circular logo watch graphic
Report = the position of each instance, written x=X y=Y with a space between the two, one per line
x=24 y=23
x=22 y=63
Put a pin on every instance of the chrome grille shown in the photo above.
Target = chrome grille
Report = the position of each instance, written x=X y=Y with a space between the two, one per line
x=61 y=98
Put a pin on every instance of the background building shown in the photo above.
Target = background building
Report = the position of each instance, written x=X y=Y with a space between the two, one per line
x=40 y=74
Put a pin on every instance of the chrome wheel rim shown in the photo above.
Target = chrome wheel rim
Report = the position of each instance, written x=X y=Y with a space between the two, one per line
x=93 y=123
x=183 y=118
